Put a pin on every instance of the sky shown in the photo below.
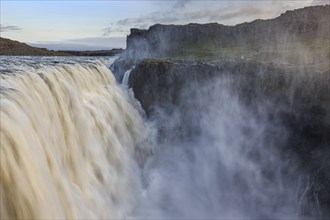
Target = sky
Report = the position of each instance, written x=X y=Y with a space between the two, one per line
x=104 y=24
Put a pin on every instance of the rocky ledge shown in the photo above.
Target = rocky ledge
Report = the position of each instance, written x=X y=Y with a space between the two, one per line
x=159 y=82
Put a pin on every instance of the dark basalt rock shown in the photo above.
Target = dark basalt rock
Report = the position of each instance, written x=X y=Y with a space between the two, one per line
x=159 y=81
x=300 y=100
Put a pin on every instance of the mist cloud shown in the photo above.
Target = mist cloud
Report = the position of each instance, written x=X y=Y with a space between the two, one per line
x=9 y=28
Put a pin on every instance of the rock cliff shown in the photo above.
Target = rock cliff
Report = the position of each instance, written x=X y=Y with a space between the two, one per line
x=297 y=99
x=298 y=37
x=282 y=63
x=307 y=25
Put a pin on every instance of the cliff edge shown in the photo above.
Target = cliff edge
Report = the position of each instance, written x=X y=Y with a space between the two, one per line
x=305 y=26
x=298 y=37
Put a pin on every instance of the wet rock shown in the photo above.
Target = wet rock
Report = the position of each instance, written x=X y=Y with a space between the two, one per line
x=298 y=99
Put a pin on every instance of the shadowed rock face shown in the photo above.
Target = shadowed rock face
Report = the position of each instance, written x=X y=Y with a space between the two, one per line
x=298 y=99
x=159 y=82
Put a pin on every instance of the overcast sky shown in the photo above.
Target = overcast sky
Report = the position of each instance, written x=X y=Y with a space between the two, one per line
x=104 y=24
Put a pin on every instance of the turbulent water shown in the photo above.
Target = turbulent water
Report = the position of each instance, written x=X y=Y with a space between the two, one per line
x=75 y=144
x=68 y=141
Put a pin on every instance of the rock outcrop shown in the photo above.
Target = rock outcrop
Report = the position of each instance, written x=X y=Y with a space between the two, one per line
x=158 y=82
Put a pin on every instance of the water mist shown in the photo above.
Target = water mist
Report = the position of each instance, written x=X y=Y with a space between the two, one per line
x=218 y=158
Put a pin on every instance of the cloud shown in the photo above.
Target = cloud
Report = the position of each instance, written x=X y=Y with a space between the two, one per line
x=114 y=30
x=181 y=3
x=189 y=11
x=156 y=17
x=240 y=14
x=217 y=14
x=92 y=43
x=319 y=2
x=9 y=28
x=123 y=26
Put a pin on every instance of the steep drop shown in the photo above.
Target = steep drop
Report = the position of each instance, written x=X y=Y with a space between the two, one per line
x=69 y=138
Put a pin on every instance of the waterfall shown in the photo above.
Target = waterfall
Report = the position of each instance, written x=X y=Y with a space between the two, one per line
x=76 y=145
x=69 y=138
x=126 y=76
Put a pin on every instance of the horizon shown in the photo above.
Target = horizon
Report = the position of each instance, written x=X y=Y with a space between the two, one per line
x=103 y=25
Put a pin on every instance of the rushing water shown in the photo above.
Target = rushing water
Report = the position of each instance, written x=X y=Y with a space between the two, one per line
x=75 y=144
x=68 y=140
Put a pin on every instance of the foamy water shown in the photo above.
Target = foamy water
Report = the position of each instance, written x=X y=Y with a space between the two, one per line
x=68 y=142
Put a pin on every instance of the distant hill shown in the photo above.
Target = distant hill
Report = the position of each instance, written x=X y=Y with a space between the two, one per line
x=93 y=52
x=15 y=48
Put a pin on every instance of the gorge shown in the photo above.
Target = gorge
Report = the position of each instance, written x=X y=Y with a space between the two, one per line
x=196 y=121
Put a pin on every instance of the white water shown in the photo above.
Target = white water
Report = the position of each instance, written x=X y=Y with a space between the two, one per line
x=126 y=77
x=69 y=138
